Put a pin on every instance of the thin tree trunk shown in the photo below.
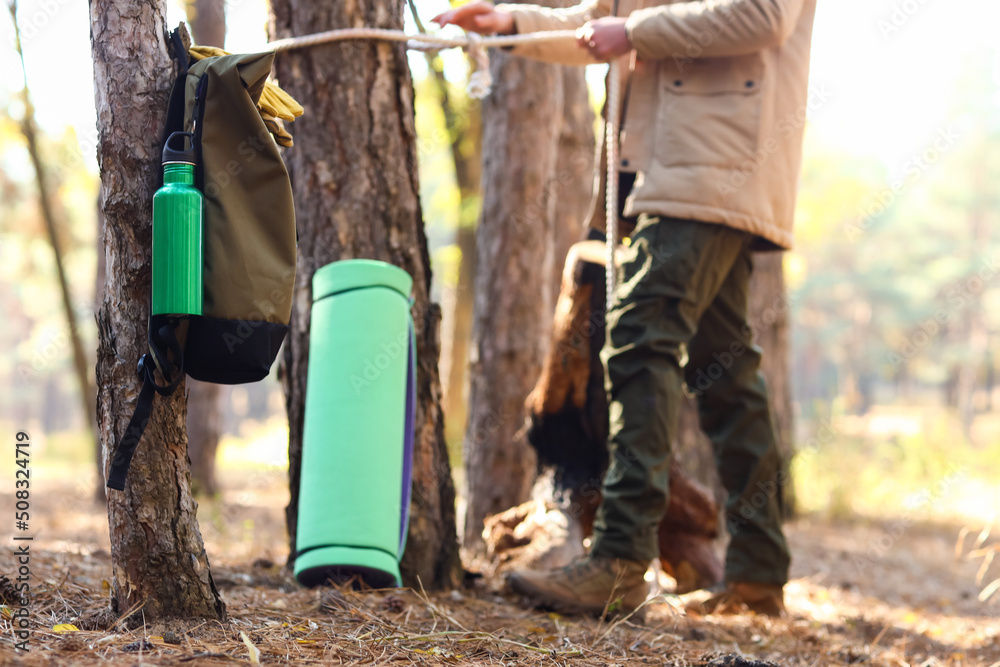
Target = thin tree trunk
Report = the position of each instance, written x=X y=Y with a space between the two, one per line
x=575 y=170
x=158 y=557
x=208 y=21
x=204 y=430
x=208 y=26
x=47 y=203
x=354 y=175
x=455 y=339
x=770 y=317
x=523 y=121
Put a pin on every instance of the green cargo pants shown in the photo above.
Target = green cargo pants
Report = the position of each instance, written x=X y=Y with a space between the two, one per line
x=684 y=284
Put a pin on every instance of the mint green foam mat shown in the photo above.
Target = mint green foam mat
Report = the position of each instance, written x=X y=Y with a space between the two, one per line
x=358 y=436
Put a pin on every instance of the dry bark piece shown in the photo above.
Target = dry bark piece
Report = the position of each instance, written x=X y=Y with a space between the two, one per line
x=8 y=594
x=738 y=661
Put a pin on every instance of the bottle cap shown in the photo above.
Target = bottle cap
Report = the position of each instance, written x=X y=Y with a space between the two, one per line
x=173 y=153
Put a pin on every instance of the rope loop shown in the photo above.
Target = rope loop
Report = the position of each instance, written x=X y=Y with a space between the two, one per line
x=480 y=79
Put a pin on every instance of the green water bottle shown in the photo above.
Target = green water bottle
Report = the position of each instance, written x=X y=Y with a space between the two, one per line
x=177 y=232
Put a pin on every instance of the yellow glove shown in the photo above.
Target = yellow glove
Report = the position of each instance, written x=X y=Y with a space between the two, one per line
x=277 y=129
x=278 y=103
x=275 y=105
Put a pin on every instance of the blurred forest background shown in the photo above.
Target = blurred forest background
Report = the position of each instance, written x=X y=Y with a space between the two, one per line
x=894 y=286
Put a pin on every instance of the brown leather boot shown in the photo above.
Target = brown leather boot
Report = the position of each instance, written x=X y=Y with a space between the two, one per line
x=588 y=585
x=739 y=597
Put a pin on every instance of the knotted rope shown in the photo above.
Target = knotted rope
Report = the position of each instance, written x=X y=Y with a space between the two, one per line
x=478 y=87
x=611 y=189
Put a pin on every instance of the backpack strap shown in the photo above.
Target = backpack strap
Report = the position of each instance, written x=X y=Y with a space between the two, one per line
x=175 y=108
x=162 y=345
x=180 y=51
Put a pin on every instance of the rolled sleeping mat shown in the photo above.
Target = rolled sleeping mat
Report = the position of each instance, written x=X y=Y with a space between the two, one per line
x=357 y=444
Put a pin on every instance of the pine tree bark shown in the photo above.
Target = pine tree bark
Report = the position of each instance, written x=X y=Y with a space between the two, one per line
x=456 y=337
x=158 y=557
x=208 y=27
x=528 y=196
x=354 y=175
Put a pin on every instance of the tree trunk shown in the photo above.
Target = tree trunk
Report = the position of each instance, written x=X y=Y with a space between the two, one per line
x=208 y=21
x=770 y=313
x=204 y=431
x=158 y=558
x=455 y=339
x=522 y=120
x=575 y=165
x=770 y=317
x=354 y=175
x=208 y=26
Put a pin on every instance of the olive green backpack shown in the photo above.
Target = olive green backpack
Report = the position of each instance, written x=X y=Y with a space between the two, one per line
x=249 y=240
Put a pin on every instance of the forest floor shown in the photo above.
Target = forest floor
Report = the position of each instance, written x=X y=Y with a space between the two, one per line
x=862 y=592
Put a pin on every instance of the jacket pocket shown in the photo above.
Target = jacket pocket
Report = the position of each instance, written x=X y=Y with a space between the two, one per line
x=710 y=111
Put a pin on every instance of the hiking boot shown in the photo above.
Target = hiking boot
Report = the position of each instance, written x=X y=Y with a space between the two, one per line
x=588 y=585
x=739 y=597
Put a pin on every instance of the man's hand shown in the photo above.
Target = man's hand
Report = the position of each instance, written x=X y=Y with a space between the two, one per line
x=605 y=38
x=478 y=16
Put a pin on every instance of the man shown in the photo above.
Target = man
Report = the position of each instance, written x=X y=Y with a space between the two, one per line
x=713 y=93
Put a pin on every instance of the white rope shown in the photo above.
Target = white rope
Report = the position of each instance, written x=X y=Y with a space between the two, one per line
x=611 y=191
x=475 y=46
x=480 y=82
x=462 y=41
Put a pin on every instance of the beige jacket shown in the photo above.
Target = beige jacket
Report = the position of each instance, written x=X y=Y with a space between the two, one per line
x=716 y=105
